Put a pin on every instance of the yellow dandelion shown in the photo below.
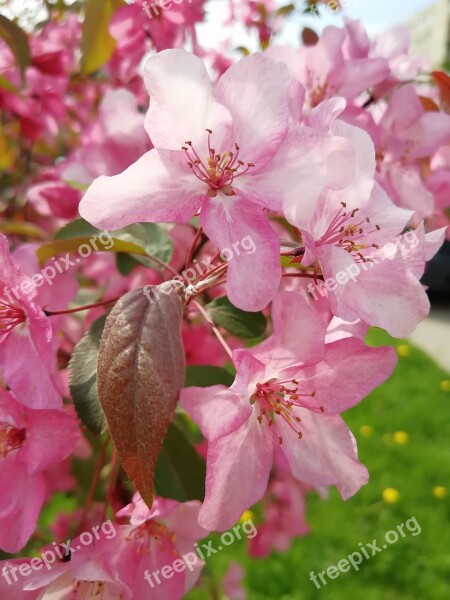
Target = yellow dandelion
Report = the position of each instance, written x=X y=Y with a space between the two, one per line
x=387 y=439
x=366 y=431
x=401 y=437
x=248 y=515
x=403 y=350
x=391 y=495
x=445 y=385
x=439 y=492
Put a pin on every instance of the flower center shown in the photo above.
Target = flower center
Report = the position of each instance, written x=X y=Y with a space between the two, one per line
x=92 y=589
x=148 y=531
x=218 y=171
x=11 y=438
x=275 y=399
x=349 y=234
x=10 y=317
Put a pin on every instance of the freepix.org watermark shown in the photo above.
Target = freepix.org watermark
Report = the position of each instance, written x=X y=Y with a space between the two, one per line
x=200 y=269
x=202 y=552
x=59 y=552
x=152 y=9
x=408 y=240
x=354 y=559
x=101 y=241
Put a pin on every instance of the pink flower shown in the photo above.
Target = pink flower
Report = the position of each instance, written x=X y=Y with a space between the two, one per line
x=288 y=391
x=25 y=337
x=325 y=71
x=351 y=236
x=212 y=158
x=31 y=442
x=90 y=573
x=284 y=511
x=154 y=539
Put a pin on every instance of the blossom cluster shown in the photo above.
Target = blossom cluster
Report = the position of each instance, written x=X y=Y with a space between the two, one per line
x=322 y=156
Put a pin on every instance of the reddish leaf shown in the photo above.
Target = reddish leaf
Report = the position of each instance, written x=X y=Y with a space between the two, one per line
x=428 y=104
x=442 y=80
x=140 y=374
x=309 y=37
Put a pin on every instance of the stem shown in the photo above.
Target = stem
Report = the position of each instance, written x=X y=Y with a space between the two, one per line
x=112 y=482
x=310 y=275
x=197 y=237
x=162 y=264
x=95 y=480
x=217 y=333
x=51 y=313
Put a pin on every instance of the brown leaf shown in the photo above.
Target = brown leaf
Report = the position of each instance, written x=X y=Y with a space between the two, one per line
x=141 y=371
x=309 y=37
x=442 y=80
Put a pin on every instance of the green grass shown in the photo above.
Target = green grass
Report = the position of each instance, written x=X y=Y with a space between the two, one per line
x=413 y=567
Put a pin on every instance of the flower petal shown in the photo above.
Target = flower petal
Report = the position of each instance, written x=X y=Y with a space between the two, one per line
x=154 y=189
x=182 y=103
x=238 y=468
x=216 y=409
x=254 y=273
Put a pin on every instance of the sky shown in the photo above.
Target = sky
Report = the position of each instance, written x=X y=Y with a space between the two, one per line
x=377 y=16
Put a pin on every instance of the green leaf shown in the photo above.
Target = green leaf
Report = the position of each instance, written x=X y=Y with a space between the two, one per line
x=141 y=239
x=7 y=85
x=97 y=44
x=125 y=263
x=236 y=321
x=17 y=40
x=75 y=229
x=180 y=471
x=83 y=379
x=153 y=238
x=206 y=375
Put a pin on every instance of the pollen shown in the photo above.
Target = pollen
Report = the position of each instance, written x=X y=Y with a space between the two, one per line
x=219 y=170
x=11 y=438
x=279 y=399
x=349 y=232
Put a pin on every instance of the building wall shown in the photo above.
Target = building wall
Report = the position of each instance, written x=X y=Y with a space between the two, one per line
x=430 y=32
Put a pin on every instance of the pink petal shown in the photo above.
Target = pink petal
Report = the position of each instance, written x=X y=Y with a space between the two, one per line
x=182 y=104
x=216 y=410
x=154 y=189
x=349 y=371
x=238 y=468
x=27 y=365
x=325 y=455
x=51 y=437
x=254 y=274
x=18 y=525
x=298 y=333
x=257 y=85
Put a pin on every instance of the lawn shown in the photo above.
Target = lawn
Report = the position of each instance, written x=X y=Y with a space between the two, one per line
x=415 y=402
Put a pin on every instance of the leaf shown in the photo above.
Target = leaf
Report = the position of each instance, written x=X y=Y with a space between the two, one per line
x=22 y=228
x=125 y=263
x=17 y=40
x=236 y=321
x=442 y=80
x=180 y=472
x=7 y=85
x=207 y=375
x=428 y=104
x=74 y=229
x=309 y=37
x=97 y=44
x=140 y=374
x=142 y=239
x=83 y=379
